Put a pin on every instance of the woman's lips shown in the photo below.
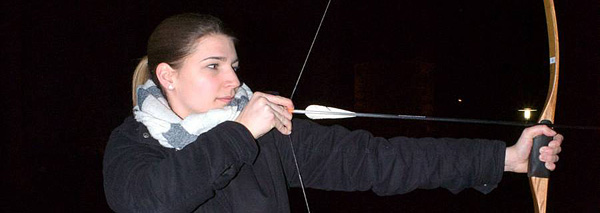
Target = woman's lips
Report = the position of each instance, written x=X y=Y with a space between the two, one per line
x=225 y=99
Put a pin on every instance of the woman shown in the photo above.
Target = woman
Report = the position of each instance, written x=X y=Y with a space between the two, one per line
x=201 y=141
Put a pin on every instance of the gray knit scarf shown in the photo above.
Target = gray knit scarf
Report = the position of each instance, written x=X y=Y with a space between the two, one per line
x=170 y=130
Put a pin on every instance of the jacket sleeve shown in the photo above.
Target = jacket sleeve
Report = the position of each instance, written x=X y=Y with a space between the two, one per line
x=334 y=158
x=142 y=176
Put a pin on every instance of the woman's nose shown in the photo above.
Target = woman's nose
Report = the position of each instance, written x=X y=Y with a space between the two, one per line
x=231 y=79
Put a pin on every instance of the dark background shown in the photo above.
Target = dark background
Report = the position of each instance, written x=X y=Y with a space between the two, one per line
x=68 y=64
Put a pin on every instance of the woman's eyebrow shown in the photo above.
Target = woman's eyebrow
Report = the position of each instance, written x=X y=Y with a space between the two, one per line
x=220 y=58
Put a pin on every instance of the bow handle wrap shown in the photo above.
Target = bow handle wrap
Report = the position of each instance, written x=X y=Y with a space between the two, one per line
x=537 y=167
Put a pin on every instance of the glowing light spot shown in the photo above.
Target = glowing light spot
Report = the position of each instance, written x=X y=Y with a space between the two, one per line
x=527 y=112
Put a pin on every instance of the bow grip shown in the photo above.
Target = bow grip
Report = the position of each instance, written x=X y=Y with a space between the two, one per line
x=536 y=167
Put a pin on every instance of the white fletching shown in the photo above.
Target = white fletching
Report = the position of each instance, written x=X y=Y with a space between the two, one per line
x=323 y=112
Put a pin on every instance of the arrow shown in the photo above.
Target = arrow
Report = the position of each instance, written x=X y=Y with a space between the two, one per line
x=318 y=112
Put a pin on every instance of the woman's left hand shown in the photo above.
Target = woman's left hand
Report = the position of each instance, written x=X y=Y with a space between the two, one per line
x=517 y=156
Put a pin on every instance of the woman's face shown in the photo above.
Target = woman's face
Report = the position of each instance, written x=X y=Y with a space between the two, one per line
x=207 y=78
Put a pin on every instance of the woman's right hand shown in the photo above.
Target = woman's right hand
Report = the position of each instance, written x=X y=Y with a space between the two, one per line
x=265 y=111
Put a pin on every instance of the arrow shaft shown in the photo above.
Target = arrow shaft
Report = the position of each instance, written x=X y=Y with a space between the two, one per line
x=411 y=117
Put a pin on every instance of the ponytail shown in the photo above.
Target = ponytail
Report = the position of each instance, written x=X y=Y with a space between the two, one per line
x=140 y=76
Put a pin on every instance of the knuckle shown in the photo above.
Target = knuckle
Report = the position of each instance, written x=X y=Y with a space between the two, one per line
x=262 y=100
x=265 y=107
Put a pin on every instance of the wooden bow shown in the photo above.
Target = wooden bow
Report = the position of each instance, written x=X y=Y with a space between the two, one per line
x=538 y=175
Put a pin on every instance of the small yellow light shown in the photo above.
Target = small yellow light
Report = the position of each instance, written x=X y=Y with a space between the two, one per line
x=459 y=100
x=527 y=112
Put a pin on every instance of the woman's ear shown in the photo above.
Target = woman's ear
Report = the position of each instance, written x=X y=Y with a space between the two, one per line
x=165 y=74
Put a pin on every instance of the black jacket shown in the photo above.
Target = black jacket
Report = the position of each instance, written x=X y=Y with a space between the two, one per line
x=225 y=170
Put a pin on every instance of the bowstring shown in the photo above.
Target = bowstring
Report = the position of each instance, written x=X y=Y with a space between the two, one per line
x=310 y=50
x=292 y=96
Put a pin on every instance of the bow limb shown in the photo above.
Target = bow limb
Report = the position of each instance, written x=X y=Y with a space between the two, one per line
x=539 y=185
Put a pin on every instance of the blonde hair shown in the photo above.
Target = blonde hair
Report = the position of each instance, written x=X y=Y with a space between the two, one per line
x=140 y=76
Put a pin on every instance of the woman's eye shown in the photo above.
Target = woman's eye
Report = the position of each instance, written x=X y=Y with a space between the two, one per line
x=213 y=66
x=235 y=69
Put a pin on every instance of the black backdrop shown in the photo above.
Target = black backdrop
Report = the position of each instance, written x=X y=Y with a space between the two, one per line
x=67 y=68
